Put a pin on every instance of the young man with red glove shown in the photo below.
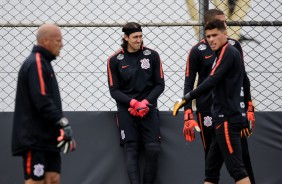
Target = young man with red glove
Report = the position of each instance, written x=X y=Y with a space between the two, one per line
x=225 y=81
x=136 y=80
x=200 y=61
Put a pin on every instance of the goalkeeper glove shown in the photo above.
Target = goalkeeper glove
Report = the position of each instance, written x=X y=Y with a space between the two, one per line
x=131 y=109
x=65 y=139
x=189 y=125
x=143 y=109
x=249 y=125
x=251 y=114
x=247 y=129
x=138 y=108
x=180 y=103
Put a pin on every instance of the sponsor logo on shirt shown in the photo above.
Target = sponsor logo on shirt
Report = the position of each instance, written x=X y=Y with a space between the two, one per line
x=120 y=56
x=218 y=126
x=207 y=57
x=145 y=64
x=124 y=66
x=147 y=52
x=202 y=47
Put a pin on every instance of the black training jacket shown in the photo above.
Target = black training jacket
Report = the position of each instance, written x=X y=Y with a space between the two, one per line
x=226 y=78
x=200 y=60
x=38 y=105
x=137 y=75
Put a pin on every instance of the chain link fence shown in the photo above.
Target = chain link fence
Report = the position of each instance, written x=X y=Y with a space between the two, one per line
x=92 y=32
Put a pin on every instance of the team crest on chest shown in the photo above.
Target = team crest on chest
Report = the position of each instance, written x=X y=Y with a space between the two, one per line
x=145 y=64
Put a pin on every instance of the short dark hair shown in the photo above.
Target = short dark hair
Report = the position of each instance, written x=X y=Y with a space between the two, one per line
x=210 y=15
x=129 y=28
x=215 y=24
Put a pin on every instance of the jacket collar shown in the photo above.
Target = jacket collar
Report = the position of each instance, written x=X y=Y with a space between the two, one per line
x=46 y=54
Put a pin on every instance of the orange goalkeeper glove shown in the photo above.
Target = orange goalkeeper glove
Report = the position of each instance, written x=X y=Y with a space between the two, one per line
x=189 y=125
x=251 y=114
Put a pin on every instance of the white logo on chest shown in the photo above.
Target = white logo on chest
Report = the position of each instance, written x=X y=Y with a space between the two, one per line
x=145 y=64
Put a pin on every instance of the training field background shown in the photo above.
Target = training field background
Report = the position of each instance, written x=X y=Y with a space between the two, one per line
x=91 y=33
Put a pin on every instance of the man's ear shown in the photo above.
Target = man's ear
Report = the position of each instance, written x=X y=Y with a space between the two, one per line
x=225 y=33
x=125 y=37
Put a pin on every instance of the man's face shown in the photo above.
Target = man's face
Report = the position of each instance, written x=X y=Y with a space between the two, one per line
x=134 y=41
x=216 y=38
x=54 y=43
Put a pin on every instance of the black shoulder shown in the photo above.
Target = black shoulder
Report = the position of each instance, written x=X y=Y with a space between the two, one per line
x=235 y=43
x=148 y=51
x=233 y=50
x=200 y=46
x=117 y=55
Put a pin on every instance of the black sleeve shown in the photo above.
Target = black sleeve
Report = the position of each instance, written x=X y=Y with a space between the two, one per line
x=40 y=93
x=238 y=46
x=247 y=89
x=159 y=84
x=113 y=83
x=246 y=80
x=190 y=73
x=220 y=69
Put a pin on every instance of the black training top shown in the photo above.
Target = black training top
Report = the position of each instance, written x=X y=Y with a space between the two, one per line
x=226 y=80
x=137 y=75
x=200 y=60
x=38 y=105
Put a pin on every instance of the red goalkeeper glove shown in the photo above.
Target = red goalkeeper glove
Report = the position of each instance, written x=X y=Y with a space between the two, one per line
x=131 y=109
x=65 y=139
x=138 y=108
x=251 y=114
x=143 y=109
x=249 y=125
x=189 y=125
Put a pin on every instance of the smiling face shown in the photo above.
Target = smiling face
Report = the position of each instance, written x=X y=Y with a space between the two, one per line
x=216 y=38
x=134 y=41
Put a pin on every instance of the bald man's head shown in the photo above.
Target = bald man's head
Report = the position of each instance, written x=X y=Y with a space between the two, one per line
x=49 y=36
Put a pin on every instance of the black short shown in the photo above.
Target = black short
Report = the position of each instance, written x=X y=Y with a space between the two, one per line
x=36 y=163
x=132 y=128
x=206 y=124
x=225 y=146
